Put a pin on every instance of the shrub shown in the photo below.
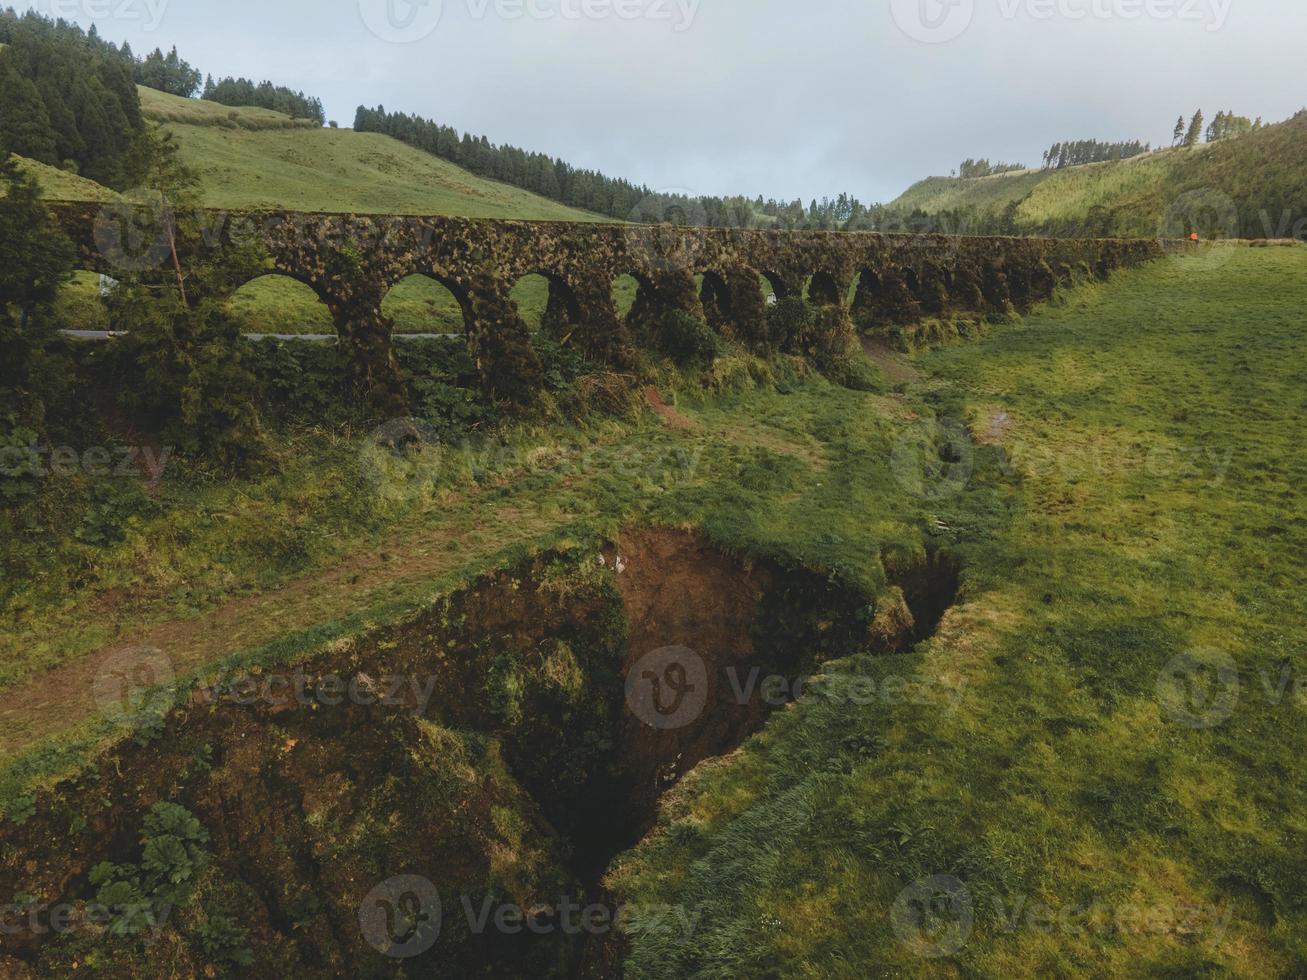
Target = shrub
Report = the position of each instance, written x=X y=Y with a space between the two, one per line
x=787 y=322
x=685 y=339
x=173 y=842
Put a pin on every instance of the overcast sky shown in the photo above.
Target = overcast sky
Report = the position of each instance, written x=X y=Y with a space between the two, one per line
x=784 y=98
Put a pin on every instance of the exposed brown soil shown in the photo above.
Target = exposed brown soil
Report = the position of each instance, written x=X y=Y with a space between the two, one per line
x=532 y=764
x=670 y=416
x=61 y=697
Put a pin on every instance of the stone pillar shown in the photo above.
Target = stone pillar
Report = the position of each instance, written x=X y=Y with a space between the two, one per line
x=748 y=314
x=673 y=290
x=364 y=334
x=600 y=332
x=500 y=342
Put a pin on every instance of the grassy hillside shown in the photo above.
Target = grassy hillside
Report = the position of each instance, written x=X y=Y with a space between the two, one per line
x=1069 y=807
x=256 y=158
x=165 y=108
x=1254 y=185
x=253 y=158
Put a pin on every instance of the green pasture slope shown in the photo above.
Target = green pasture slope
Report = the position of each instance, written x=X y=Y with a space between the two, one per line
x=1261 y=172
x=1133 y=507
x=1137 y=496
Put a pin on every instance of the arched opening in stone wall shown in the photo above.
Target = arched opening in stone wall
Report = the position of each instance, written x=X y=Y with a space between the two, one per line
x=773 y=284
x=716 y=298
x=279 y=306
x=531 y=294
x=823 y=290
x=423 y=305
x=625 y=290
x=546 y=303
x=868 y=294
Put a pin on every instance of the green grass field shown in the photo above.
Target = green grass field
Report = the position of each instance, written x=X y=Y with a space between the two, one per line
x=1134 y=498
x=255 y=158
x=1258 y=181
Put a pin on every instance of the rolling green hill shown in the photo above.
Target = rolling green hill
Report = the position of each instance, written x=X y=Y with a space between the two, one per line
x=1254 y=186
x=256 y=158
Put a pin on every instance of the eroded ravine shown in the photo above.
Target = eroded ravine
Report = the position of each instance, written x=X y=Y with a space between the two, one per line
x=532 y=722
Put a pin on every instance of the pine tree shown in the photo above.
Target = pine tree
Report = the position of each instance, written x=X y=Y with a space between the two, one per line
x=24 y=122
x=1179 y=131
x=35 y=259
x=1195 y=129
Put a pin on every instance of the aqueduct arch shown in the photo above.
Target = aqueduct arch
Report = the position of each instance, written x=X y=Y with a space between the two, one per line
x=352 y=261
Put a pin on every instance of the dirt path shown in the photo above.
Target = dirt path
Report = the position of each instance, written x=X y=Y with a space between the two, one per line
x=57 y=699
x=896 y=365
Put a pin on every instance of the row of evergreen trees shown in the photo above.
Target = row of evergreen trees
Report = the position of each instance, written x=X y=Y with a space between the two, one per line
x=1224 y=126
x=983 y=168
x=68 y=99
x=1078 y=152
x=165 y=72
x=265 y=95
x=590 y=190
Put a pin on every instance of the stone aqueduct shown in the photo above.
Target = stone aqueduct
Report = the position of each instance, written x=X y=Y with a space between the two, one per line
x=351 y=262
